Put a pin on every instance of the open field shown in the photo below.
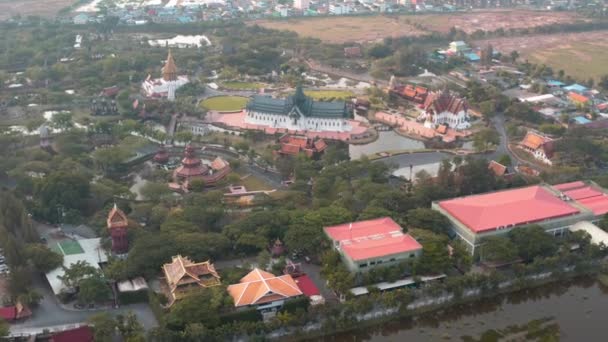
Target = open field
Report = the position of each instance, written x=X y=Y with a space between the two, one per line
x=328 y=94
x=242 y=85
x=373 y=28
x=225 y=103
x=492 y=20
x=341 y=29
x=580 y=55
x=43 y=8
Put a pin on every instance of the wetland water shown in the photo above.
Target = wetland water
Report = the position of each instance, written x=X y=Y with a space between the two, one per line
x=579 y=308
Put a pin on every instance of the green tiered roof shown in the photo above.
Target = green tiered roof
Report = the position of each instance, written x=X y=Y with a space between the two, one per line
x=305 y=105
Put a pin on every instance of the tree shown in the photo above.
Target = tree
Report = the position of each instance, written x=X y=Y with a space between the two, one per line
x=197 y=185
x=111 y=159
x=155 y=192
x=93 y=290
x=116 y=270
x=425 y=218
x=263 y=259
x=435 y=258
x=184 y=136
x=485 y=138
x=130 y=328
x=604 y=223
x=59 y=192
x=104 y=327
x=62 y=121
x=498 y=249
x=43 y=258
x=505 y=160
x=76 y=272
x=4 y=328
x=488 y=109
x=533 y=242
x=199 y=306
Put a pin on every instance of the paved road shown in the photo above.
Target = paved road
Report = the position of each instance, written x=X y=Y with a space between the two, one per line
x=499 y=123
x=50 y=313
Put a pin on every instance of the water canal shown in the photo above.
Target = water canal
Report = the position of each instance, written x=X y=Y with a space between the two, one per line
x=577 y=309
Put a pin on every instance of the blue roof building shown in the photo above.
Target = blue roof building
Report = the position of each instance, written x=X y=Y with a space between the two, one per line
x=185 y=20
x=472 y=57
x=555 y=83
x=581 y=120
x=577 y=88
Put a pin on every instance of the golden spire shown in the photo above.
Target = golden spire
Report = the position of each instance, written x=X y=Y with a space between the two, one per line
x=170 y=70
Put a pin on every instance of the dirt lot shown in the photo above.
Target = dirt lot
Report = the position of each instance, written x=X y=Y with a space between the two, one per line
x=493 y=20
x=347 y=29
x=373 y=28
x=580 y=55
x=43 y=8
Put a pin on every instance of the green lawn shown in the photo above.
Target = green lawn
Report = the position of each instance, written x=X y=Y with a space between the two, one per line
x=243 y=85
x=580 y=60
x=253 y=183
x=69 y=247
x=225 y=103
x=328 y=94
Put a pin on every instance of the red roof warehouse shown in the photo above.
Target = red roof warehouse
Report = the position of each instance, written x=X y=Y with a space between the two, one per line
x=554 y=207
x=373 y=242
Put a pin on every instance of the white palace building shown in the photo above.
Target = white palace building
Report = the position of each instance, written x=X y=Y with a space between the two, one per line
x=167 y=85
x=299 y=113
x=444 y=108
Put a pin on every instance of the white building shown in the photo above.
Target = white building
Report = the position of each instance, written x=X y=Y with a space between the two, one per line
x=458 y=47
x=541 y=147
x=444 y=108
x=301 y=4
x=87 y=250
x=299 y=113
x=283 y=10
x=339 y=9
x=167 y=85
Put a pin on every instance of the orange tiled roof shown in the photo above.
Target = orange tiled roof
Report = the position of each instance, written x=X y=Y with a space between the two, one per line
x=497 y=168
x=260 y=287
x=533 y=141
x=442 y=129
x=117 y=218
x=219 y=164
x=578 y=97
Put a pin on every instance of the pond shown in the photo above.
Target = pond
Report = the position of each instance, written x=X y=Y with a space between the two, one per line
x=386 y=141
x=578 y=308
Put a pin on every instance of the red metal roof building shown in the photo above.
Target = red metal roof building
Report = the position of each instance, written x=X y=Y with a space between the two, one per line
x=15 y=313
x=555 y=208
x=81 y=334
x=367 y=244
x=307 y=286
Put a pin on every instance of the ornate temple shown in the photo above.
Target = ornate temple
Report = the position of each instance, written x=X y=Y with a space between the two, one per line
x=161 y=156
x=298 y=113
x=445 y=108
x=192 y=167
x=181 y=275
x=117 y=225
x=167 y=85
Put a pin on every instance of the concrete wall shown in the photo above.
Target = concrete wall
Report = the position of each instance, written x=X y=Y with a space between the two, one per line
x=387 y=260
